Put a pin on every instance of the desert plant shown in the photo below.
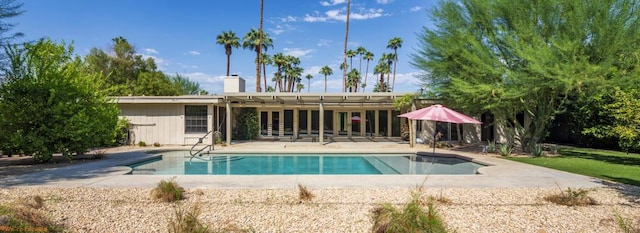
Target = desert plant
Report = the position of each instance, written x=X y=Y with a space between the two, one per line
x=412 y=218
x=98 y=154
x=156 y=144
x=505 y=150
x=167 y=191
x=186 y=219
x=491 y=147
x=142 y=144
x=571 y=197
x=36 y=202
x=538 y=150
x=627 y=225
x=304 y=194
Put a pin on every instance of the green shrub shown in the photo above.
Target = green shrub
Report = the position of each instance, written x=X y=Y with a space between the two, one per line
x=491 y=147
x=167 y=191
x=412 y=218
x=156 y=144
x=571 y=197
x=538 y=150
x=304 y=194
x=505 y=150
x=142 y=144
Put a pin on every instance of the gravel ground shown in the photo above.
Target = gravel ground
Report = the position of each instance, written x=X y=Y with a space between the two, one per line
x=333 y=210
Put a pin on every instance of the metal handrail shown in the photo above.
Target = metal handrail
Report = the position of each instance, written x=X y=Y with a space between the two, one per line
x=199 y=142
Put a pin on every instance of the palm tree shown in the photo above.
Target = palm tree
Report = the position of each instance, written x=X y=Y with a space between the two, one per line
x=350 y=55
x=325 y=70
x=394 y=44
x=280 y=61
x=368 y=56
x=229 y=40
x=260 y=57
x=361 y=51
x=346 y=39
x=299 y=87
x=388 y=59
x=265 y=59
x=252 y=41
x=381 y=68
x=309 y=77
x=353 y=79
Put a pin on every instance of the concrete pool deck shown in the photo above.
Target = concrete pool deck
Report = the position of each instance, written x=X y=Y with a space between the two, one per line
x=110 y=172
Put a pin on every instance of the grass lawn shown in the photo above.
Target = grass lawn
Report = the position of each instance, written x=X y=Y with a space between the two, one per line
x=608 y=165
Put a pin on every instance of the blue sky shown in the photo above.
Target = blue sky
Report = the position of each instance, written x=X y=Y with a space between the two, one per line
x=180 y=35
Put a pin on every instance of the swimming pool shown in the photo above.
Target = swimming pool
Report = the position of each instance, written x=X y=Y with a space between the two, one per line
x=181 y=163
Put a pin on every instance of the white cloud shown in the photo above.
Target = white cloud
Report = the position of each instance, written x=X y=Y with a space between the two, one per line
x=151 y=51
x=194 y=53
x=332 y=2
x=324 y=43
x=281 y=28
x=340 y=15
x=384 y=1
x=296 y=52
x=289 y=19
x=415 y=8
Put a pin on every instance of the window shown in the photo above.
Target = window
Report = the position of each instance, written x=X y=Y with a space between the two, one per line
x=195 y=119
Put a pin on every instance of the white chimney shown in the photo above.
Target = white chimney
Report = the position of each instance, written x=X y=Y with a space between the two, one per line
x=233 y=84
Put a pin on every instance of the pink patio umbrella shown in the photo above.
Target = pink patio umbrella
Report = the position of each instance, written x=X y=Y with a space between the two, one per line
x=437 y=113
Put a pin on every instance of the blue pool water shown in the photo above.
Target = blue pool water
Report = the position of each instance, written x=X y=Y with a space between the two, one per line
x=181 y=163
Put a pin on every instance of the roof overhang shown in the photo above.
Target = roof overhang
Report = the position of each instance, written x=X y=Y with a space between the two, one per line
x=311 y=98
x=184 y=99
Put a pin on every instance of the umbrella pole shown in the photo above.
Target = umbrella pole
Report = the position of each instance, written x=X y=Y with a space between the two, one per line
x=410 y=134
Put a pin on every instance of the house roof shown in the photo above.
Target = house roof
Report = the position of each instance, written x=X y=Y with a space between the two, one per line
x=269 y=98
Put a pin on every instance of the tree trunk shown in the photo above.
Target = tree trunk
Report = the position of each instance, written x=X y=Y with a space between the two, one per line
x=393 y=86
x=346 y=39
x=259 y=59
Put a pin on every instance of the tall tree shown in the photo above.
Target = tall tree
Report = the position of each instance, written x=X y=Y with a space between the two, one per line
x=350 y=55
x=527 y=58
x=280 y=61
x=252 y=41
x=394 y=43
x=259 y=49
x=388 y=59
x=265 y=60
x=186 y=86
x=49 y=104
x=346 y=40
x=326 y=71
x=368 y=56
x=381 y=68
x=8 y=9
x=353 y=80
x=361 y=51
x=309 y=77
x=229 y=40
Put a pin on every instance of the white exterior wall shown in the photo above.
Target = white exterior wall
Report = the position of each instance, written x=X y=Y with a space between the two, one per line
x=161 y=123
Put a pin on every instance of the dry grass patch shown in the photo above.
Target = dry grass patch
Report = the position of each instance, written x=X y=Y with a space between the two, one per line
x=27 y=216
x=416 y=216
x=304 y=194
x=628 y=225
x=167 y=191
x=571 y=197
x=185 y=219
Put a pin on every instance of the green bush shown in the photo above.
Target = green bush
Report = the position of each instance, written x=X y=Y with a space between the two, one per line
x=142 y=144
x=505 y=150
x=49 y=104
x=167 y=191
x=538 y=150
